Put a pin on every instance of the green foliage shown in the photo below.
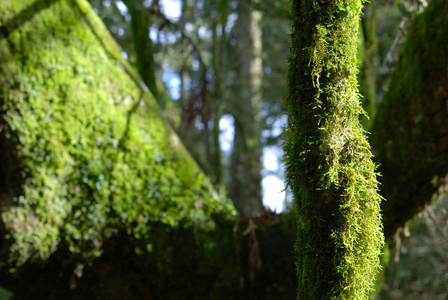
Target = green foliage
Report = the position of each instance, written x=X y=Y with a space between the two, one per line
x=328 y=159
x=94 y=155
x=406 y=13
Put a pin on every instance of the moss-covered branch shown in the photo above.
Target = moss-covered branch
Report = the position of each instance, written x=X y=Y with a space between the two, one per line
x=329 y=166
x=88 y=153
x=410 y=133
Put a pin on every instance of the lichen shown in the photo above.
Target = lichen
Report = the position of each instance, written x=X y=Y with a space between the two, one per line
x=328 y=159
x=94 y=154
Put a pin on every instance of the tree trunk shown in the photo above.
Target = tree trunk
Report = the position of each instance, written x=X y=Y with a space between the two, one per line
x=246 y=166
x=410 y=133
x=328 y=161
x=143 y=47
x=217 y=94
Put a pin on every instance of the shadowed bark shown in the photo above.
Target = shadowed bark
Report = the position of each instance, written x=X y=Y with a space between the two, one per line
x=410 y=133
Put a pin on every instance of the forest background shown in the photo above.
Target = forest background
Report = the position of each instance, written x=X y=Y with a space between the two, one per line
x=217 y=70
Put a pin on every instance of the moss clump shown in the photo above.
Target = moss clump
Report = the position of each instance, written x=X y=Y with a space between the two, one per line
x=328 y=159
x=92 y=155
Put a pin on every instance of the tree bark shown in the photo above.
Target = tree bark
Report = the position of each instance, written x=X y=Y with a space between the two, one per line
x=328 y=158
x=246 y=166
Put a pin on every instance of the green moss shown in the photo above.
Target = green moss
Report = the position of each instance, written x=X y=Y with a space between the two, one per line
x=409 y=132
x=93 y=152
x=329 y=166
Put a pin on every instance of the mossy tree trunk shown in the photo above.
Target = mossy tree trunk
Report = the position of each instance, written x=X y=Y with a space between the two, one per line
x=245 y=189
x=328 y=159
x=410 y=133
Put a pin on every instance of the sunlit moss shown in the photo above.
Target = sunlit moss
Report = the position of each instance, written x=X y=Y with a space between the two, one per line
x=92 y=151
x=328 y=159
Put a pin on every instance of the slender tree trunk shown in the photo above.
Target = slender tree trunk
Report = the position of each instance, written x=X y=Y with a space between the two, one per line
x=246 y=159
x=217 y=99
x=184 y=81
x=329 y=166
x=143 y=47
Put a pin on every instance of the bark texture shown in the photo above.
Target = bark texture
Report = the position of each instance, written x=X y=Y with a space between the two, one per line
x=328 y=158
x=410 y=133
